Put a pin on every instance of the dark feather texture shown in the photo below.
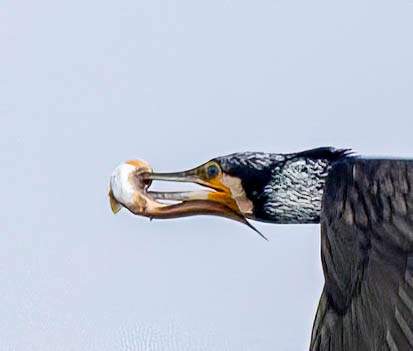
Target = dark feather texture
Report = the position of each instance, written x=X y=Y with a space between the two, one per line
x=284 y=188
x=365 y=208
x=324 y=153
x=367 y=255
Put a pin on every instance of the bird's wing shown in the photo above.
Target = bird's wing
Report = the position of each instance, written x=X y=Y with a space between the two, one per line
x=367 y=256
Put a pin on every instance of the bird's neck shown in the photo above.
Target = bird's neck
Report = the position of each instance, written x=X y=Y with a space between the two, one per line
x=295 y=192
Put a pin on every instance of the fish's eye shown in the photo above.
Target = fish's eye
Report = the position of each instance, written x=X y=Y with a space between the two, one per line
x=212 y=171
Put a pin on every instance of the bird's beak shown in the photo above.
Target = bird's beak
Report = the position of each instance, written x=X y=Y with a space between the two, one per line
x=219 y=192
x=217 y=200
x=129 y=187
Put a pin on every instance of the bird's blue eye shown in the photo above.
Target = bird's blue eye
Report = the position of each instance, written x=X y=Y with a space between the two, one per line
x=212 y=171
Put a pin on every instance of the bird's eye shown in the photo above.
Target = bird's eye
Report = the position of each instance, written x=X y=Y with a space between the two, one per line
x=212 y=171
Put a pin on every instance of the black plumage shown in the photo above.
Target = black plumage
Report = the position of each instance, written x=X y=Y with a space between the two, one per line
x=367 y=256
x=366 y=218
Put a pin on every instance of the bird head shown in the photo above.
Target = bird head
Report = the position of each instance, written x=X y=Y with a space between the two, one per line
x=279 y=188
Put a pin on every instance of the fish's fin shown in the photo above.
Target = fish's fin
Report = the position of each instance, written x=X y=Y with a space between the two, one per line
x=114 y=204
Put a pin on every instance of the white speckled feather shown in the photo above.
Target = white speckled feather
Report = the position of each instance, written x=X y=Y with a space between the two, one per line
x=295 y=191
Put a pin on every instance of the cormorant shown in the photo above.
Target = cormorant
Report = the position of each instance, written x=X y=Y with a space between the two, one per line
x=365 y=207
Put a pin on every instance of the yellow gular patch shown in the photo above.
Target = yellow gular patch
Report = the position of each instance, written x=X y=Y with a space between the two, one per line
x=231 y=194
x=223 y=198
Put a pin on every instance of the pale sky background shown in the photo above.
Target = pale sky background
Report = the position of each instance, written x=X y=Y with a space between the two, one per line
x=86 y=85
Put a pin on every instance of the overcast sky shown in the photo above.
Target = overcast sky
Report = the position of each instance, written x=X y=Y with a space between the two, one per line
x=85 y=86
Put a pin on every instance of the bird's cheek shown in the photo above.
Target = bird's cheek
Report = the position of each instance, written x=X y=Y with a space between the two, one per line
x=238 y=194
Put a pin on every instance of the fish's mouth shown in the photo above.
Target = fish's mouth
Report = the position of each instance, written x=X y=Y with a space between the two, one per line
x=215 y=200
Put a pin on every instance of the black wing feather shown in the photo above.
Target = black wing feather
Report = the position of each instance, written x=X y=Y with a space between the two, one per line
x=367 y=256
